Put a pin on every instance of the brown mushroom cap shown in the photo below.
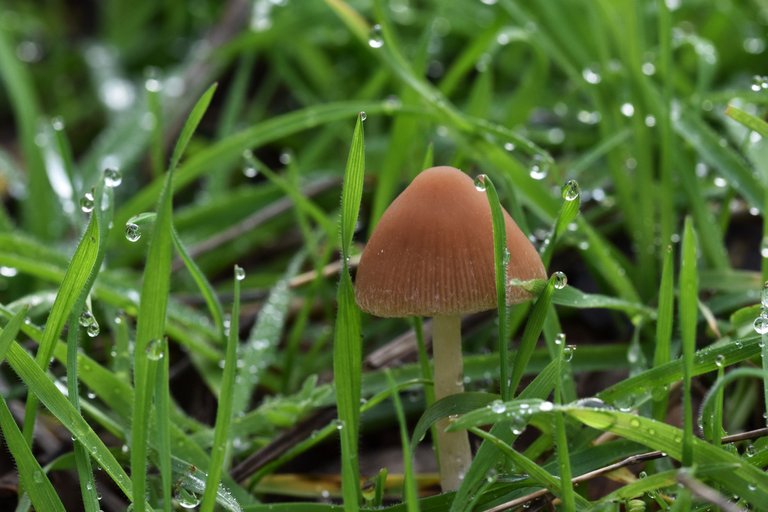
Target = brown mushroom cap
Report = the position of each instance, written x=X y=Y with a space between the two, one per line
x=432 y=252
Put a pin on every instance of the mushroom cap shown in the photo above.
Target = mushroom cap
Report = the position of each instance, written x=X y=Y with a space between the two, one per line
x=432 y=252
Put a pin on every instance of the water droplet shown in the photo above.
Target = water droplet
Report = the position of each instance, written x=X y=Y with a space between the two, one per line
x=720 y=360
x=568 y=352
x=592 y=403
x=560 y=338
x=8 y=271
x=627 y=109
x=375 y=39
x=363 y=116
x=761 y=324
x=112 y=177
x=634 y=422
x=498 y=407
x=546 y=406
x=642 y=475
x=153 y=85
x=480 y=182
x=187 y=499
x=539 y=168
x=86 y=318
x=57 y=123
x=155 y=350
x=750 y=450
x=250 y=171
x=38 y=477
x=752 y=487
x=560 y=280
x=759 y=83
x=591 y=76
x=571 y=190
x=87 y=202
x=132 y=232
x=239 y=273
x=509 y=146
x=93 y=330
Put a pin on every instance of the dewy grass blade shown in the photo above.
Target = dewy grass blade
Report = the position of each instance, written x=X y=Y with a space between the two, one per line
x=569 y=210
x=11 y=329
x=163 y=421
x=664 y=322
x=410 y=493
x=531 y=334
x=500 y=261
x=35 y=481
x=753 y=123
x=688 y=290
x=221 y=441
x=347 y=349
x=82 y=458
x=77 y=281
x=153 y=305
x=561 y=440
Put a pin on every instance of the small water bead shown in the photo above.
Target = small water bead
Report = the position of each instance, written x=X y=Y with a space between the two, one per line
x=57 y=123
x=250 y=171
x=627 y=109
x=155 y=350
x=187 y=499
x=764 y=247
x=239 y=273
x=498 y=407
x=375 y=38
x=720 y=360
x=480 y=184
x=87 y=202
x=591 y=76
x=132 y=232
x=363 y=116
x=86 y=318
x=571 y=190
x=546 y=406
x=112 y=177
x=760 y=325
x=759 y=83
x=568 y=352
x=634 y=422
x=750 y=450
x=509 y=146
x=539 y=168
x=560 y=339
x=561 y=280
x=93 y=330
x=8 y=271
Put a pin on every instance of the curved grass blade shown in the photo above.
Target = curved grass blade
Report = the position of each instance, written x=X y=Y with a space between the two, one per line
x=153 y=305
x=744 y=480
x=347 y=349
x=410 y=493
x=664 y=321
x=449 y=406
x=689 y=290
x=221 y=442
x=11 y=330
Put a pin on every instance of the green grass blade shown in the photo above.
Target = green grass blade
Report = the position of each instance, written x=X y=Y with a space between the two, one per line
x=531 y=334
x=561 y=441
x=221 y=441
x=744 y=480
x=664 y=322
x=689 y=289
x=155 y=290
x=77 y=281
x=753 y=123
x=191 y=125
x=163 y=420
x=410 y=493
x=35 y=481
x=569 y=210
x=11 y=329
x=500 y=262
x=347 y=349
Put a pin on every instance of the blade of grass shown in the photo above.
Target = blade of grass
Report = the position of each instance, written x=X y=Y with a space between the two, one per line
x=753 y=123
x=347 y=349
x=664 y=322
x=221 y=441
x=561 y=441
x=688 y=289
x=569 y=210
x=155 y=290
x=500 y=263
x=163 y=422
x=410 y=493
x=10 y=331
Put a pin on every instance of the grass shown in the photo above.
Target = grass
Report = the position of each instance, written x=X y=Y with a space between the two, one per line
x=626 y=138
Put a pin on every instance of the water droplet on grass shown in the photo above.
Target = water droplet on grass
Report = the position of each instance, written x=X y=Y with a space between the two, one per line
x=539 y=168
x=87 y=202
x=498 y=407
x=187 y=499
x=112 y=177
x=480 y=182
x=720 y=360
x=761 y=324
x=363 y=116
x=571 y=190
x=239 y=273
x=155 y=350
x=561 y=280
x=93 y=330
x=86 y=318
x=132 y=232
x=375 y=39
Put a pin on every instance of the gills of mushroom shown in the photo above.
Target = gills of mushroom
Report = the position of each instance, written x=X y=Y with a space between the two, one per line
x=432 y=255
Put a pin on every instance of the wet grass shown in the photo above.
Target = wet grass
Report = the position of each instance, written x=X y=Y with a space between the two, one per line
x=626 y=138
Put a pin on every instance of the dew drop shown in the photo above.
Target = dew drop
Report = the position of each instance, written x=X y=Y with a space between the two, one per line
x=498 y=407
x=560 y=339
x=571 y=190
x=546 y=406
x=627 y=109
x=539 y=168
x=86 y=318
x=363 y=116
x=155 y=350
x=509 y=146
x=759 y=83
x=480 y=182
x=634 y=422
x=87 y=202
x=112 y=177
x=132 y=232
x=239 y=273
x=93 y=330
x=750 y=450
x=375 y=39
x=187 y=499
x=568 y=352
x=720 y=360
x=8 y=271
x=591 y=76
x=560 y=280
x=57 y=123
x=761 y=324
x=250 y=171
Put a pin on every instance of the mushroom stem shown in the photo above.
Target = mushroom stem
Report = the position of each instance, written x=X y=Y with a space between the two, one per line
x=453 y=449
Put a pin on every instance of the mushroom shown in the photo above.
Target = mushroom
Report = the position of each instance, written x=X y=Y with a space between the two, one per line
x=431 y=254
